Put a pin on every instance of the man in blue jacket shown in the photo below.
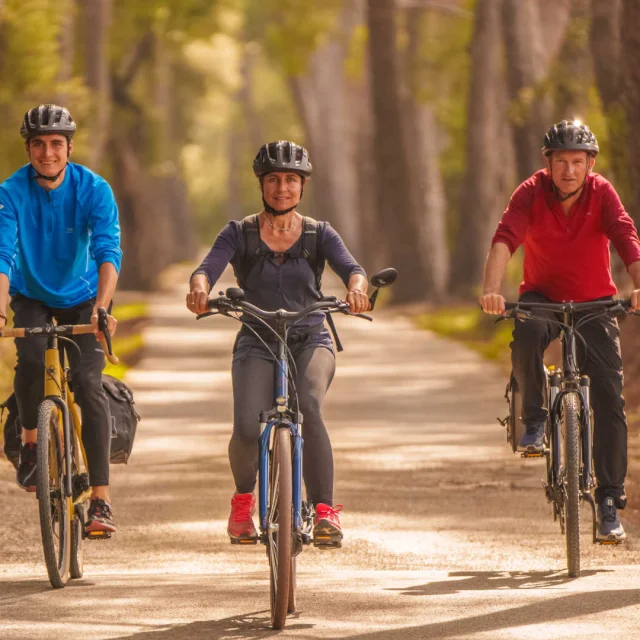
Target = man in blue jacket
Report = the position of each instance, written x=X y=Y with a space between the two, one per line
x=60 y=258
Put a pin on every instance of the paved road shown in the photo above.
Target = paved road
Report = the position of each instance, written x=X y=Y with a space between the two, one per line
x=448 y=535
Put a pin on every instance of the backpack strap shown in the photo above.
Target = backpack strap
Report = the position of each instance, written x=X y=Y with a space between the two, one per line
x=250 y=250
x=311 y=245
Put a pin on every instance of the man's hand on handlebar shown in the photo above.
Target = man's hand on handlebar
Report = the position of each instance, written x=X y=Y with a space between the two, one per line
x=635 y=300
x=112 y=323
x=197 y=300
x=493 y=303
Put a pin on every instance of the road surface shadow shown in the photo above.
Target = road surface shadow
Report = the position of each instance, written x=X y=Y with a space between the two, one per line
x=250 y=626
x=551 y=610
x=493 y=580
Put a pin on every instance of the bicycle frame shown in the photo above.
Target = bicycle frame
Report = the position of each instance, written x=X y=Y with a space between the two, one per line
x=56 y=389
x=280 y=416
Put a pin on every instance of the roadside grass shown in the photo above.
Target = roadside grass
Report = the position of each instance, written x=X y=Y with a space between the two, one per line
x=469 y=325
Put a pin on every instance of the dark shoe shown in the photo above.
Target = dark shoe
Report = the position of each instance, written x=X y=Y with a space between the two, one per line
x=240 y=528
x=609 y=527
x=26 y=474
x=533 y=439
x=327 y=531
x=99 y=518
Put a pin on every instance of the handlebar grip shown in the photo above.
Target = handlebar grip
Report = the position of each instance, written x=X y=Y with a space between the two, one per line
x=12 y=333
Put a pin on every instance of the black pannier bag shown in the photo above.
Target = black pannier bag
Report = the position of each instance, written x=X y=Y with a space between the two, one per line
x=124 y=418
x=12 y=429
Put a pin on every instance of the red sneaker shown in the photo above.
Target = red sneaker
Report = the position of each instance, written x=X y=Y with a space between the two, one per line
x=327 y=531
x=241 y=529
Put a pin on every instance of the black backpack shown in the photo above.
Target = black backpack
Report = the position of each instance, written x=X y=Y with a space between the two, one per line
x=310 y=248
x=12 y=429
x=124 y=421
x=124 y=418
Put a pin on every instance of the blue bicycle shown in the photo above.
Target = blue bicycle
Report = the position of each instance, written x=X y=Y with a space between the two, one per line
x=286 y=521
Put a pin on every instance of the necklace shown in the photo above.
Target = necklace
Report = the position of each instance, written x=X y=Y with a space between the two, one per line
x=273 y=226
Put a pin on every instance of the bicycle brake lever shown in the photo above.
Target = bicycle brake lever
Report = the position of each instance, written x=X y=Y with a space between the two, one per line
x=103 y=326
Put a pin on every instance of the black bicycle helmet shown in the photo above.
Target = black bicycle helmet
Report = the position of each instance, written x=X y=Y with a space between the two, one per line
x=570 y=136
x=47 y=118
x=282 y=156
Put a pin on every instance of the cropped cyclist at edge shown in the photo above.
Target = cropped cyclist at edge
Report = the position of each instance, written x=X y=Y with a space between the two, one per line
x=565 y=216
x=59 y=258
x=280 y=278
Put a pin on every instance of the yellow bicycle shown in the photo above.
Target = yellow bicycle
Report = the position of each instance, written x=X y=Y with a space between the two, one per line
x=62 y=478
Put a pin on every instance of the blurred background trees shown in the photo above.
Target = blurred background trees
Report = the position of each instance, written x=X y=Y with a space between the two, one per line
x=421 y=117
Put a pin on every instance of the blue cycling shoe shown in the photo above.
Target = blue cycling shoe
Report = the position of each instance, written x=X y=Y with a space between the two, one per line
x=533 y=439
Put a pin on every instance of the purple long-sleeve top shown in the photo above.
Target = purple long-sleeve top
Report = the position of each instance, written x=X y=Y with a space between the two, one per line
x=271 y=285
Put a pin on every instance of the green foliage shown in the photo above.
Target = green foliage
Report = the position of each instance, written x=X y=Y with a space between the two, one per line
x=472 y=327
x=291 y=30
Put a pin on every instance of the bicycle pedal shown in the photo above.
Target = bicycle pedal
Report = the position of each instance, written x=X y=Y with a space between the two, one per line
x=532 y=454
x=612 y=543
x=327 y=542
x=97 y=535
x=244 y=541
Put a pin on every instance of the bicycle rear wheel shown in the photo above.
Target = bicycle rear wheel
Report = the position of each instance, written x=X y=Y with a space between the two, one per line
x=279 y=523
x=55 y=509
x=571 y=425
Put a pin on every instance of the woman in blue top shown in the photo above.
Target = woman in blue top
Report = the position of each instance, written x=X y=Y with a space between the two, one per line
x=280 y=277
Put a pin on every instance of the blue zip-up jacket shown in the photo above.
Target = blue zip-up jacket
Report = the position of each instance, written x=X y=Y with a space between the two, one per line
x=52 y=243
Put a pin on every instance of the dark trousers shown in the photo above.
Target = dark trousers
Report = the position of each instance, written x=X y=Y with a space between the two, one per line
x=86 y=376
x=602 y=362
x=253 y=391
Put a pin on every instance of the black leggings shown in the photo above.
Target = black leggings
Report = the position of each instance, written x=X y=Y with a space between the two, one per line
x=603 y=365
x=253 y=389
x=86 y=375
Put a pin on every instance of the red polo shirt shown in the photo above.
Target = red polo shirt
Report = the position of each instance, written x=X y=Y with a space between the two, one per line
x=567 y=257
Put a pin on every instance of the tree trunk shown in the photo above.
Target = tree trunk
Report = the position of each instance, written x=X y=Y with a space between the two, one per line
x=393 y=170
x=573 y=72
x=610 y=71
x=428 y=194
x=480 y=205
x=631 y=97
x=321 y=98
x=66 y=45
x=527 y=63
x=98 y=21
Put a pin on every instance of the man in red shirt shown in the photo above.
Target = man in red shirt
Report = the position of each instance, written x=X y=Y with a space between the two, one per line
x=566 y=216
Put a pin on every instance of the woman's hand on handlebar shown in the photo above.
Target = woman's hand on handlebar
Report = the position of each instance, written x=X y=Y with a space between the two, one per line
x=358 y=301
x=635 y=300
x=493 y=303
x=197 y=301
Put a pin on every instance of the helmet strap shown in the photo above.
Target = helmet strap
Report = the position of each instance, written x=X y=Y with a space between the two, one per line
x=39 y=176
x=570 y=195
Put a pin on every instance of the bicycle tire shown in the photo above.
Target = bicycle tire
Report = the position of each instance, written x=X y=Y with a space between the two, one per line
x=571 y=422
x=279 y=522
x=53 y=506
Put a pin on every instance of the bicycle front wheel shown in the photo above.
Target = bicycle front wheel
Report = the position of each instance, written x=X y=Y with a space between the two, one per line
x=571 y=424
x=279 y=523
x=55 y=508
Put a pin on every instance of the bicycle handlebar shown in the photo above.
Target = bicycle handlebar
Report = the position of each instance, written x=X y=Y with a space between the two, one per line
x=66 y=330
x=224 y=304
x=561 y=307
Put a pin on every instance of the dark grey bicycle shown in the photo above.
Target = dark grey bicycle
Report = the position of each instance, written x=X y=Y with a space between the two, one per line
x=569 y=429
